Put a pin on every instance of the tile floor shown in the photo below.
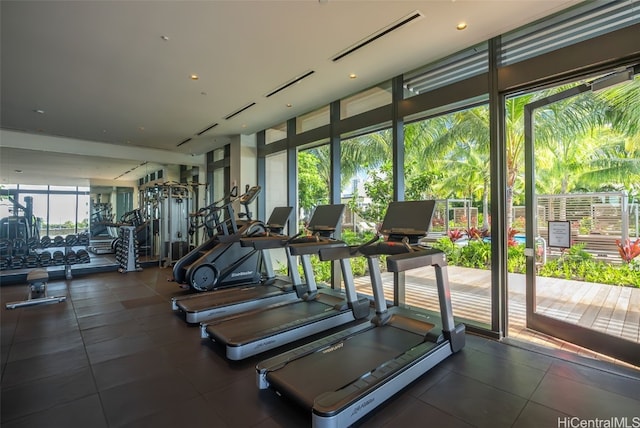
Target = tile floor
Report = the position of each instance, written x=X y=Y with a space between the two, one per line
x=115 y=355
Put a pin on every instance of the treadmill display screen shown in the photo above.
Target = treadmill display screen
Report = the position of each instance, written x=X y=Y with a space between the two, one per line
x=326 y=217
x=408 y=218
x=279 y=216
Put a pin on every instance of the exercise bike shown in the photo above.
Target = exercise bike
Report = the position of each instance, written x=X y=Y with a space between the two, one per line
x=221 y=261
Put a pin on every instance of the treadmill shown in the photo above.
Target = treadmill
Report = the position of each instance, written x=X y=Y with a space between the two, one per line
x=251 y=333
x=344 y=376
x=226 y=301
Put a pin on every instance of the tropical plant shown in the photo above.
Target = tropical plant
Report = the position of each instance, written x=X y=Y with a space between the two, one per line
x=628 y=250
x=478 y=234
x=516 y=261
x=511 y=237
x=455 y=234
x=476 y=254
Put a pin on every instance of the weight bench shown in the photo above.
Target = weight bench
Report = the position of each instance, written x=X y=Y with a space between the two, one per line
x=37 y=282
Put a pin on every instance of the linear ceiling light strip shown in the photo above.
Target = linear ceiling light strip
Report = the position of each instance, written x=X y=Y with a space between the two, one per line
x=375 y=36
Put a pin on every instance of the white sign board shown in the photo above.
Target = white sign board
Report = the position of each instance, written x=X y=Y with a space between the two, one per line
x=560 y=234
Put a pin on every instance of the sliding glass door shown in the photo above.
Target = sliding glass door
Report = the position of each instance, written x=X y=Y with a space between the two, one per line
x=582 y=168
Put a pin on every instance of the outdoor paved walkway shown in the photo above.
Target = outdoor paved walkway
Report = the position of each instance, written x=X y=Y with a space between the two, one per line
x=610 y=309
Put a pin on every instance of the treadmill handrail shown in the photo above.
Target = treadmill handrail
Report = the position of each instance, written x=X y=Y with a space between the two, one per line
x=308 y=248
x=350 y=251
x=416 y=259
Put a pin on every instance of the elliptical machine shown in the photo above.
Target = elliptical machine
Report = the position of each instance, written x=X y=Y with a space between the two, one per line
x=221 y=261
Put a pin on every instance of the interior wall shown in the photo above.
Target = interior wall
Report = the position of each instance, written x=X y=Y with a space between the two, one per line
x=244 y=164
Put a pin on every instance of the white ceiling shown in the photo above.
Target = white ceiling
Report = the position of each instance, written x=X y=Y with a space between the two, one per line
x=102 y=71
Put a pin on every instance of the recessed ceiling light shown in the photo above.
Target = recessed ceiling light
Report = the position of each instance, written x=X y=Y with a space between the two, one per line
x=194 y=77
x=203 y=93
x=289 y=105
x=140 y=128
x=353 y=76
x=18 y=171
x=461 y=26
x=165 y=38
x=39 y=111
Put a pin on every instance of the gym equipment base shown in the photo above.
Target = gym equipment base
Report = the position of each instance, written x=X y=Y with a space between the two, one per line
x=37 y=280
x=37 y=301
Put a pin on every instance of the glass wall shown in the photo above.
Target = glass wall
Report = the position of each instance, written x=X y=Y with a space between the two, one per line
x=366 y=184
x=312 y=120
x=313 y=181
x=452 y=136
x=367 y=178
x=313 y=189
x=276 y=133
x=364 y=101
x=447 y=159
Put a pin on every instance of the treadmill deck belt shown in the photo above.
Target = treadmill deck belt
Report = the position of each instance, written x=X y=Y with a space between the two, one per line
x=341 y=363
x=262 y=324
x=227 y=297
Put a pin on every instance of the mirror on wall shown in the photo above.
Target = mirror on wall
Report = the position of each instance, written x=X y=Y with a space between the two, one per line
x=108 y=205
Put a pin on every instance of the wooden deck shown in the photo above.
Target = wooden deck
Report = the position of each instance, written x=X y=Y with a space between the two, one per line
x=610 y=309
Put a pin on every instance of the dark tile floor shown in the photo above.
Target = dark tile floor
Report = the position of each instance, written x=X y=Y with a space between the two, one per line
x=115 y=355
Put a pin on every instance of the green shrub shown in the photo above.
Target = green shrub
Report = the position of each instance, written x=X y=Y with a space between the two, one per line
x=475 y=254
x=322 y=270
x=577 y=264
x=516 y=261
x=451 y=250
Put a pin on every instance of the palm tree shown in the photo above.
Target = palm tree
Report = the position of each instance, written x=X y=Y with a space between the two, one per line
x=561 y=144
x=426 y=143
x=472 y=132
x=616 y=162
x=514 y=137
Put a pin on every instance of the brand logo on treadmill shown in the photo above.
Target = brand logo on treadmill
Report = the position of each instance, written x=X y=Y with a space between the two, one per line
x=265 y=343
x=244 y=273
x=362 y=405
x=333 y=348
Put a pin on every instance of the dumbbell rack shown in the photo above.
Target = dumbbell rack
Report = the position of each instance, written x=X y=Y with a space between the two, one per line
x=127 y=250
x=34 y=253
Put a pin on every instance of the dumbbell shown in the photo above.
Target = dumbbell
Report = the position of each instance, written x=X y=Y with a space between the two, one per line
x=45 y=258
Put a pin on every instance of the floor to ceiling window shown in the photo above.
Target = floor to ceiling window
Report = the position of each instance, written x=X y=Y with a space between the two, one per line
x=447 y=159
x=367 y=189
x=57 y=210
x=460 y=147
x=313 y=190
x=313 y=181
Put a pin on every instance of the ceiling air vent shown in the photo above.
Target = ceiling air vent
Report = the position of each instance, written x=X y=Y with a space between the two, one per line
x=380 y=33
x=184 y=142
x=206 y=129
x=290 y=83
x=237 y=112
